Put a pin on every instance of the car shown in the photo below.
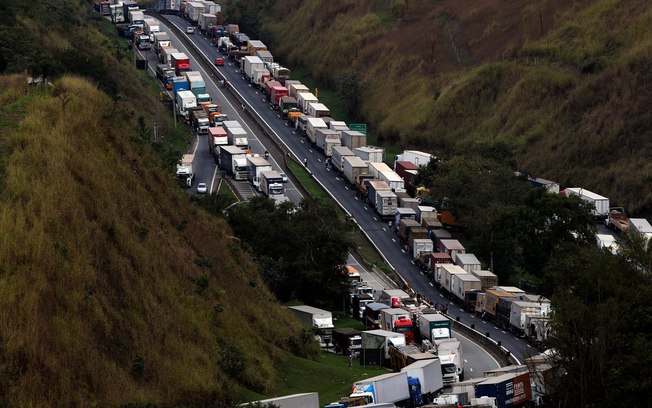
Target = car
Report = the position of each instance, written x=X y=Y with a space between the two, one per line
x=219 y=62
x=283 y=176
x=190 y=30
x=202 y=188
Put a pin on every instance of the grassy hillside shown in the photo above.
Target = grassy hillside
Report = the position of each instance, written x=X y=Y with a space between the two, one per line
x=564 y=84
x=114 y=287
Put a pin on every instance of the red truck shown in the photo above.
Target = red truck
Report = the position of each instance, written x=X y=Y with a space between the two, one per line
x=267 y=86
x=276 y=92
x=180 y=62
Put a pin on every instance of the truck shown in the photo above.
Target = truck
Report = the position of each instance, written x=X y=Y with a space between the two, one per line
x=352 y=167
x=509 y=390
x=434 y=327
x=266 y=57
x=185 y=101
x=399 y=321
x=143 y=42
x=487 y=279
x=318 y=110
x=522 y=311
x=136 y=17
x=444 y=275
x=199 y=120
x=117 y=13
x=165 y=56
x=370 y=153
x=151 y=26
x=359 y=304
x=462 y=283
x=276 y=93
x=304 y=98
x=451 y=247
x=250 y=64
x=375 y=345
x=347 y=338
x=491 y=299
x=394 y=181
x=392 y=388
x=375 y=168
x=196 y=82
x=353 y=139
x=452 y=360
x=194 y=10
x=326 y=139
x=233 y=162
x=642 y=227
x=271 y=184
x=599 y=204
x=257 y=165
x=286 y=104
x=421 y=246
x=373 y=186
x=416 y=157
x=386 y=204
x=321 y=320
x=180 y=62
x=161 y=39
x=429 y=374
x=393 y=297
x=185 y=171
x=338 y=153
x=304 y=400
x=206 y=20
x=294 y=87
x=371 y=315
x=165 y=74
x=217 y=137
x=237 y=135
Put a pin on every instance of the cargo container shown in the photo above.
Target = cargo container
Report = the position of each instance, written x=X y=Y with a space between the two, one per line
x=318 y=110
x=312 y=126
x=425 y=212
x=326 y=140
x=271 y=184
x=375 y=345
x=237 y=135
x=211 y=7
x=371 y=315
x=439 y=235
x=409 y=202
x=385 y=388
x=217 y=137
x=320 y=319
x=434 y=259
x=416 y=157
x=296 y=87
x=165 y=55
x=206 y=20
x=404 y=226
x=375 y=168
x=399 y=321
x=255 y=45
x=255 y=166
x=600 y=204
x=518 y=292
x=394 y=181
x=305 y=400
x=117 y=13
x=194 y=10
x=353 y=139
x=161 y=39
x=521 y=309
x=180 y=62
x=393 y=297
x=305 y=98
x=250 y=64
x=421 y=246
x=386 y=204
x=468 y=261
x=491 y=299
x=403 y=213
x=374 y=186
x=444 y=275
x=338 y=153
x=275 y=95
x=196 y=82
x=509 y=390
x=415 y=233
x=462 y=283
x=406 y=170
x=642 y=227
x=267 y=58
x=353 y=167
x=233 y=161
x=487 y=279
x=434 y=327
x=451 y=247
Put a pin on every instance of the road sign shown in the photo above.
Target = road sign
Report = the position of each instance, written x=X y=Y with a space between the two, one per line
x=360 y=127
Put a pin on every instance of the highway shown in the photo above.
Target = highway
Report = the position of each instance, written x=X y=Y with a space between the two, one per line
x=371 y=225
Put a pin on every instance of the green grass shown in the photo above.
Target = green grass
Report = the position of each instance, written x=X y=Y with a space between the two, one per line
x=326 y=95
x=341 y=320
x=331 y=377
x=313 y=189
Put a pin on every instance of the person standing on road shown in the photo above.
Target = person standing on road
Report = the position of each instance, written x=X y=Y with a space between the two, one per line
x=305 y=162
x=351 y=357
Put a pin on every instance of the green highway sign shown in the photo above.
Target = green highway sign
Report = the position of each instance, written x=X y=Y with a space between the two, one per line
x=360 y=127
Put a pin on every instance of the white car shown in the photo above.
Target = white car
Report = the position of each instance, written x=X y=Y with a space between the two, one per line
x=283 y=176
x=190 y=30
x=202 y=188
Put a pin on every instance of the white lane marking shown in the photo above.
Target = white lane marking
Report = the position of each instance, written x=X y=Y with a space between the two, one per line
x=213 y=179
x=384 y=229
x=355 y=198
x=431 y=284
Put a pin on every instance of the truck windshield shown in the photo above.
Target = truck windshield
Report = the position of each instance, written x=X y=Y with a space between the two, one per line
x=276 y=190
x=448 y=369
x=403 y=330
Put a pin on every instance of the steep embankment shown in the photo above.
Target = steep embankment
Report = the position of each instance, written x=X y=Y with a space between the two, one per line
x=565 y=84
x=114 y=287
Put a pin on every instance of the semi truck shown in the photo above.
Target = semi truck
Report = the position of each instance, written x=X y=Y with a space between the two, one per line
x=371 y=315
x=386 y=204
x=375 y=345
x=217 y=137
x=434 y=327
x=161 y=39
x=256 y=166
x=508 y=390
x=196 y=82
x=352 y=167
x=185 y=170
x=399 y=321
x=599 y=204
x=385 y=388
x=370 y=153
x=318 y=110
x=250 y=63
x=199 y=120
x=271 y=184
x=287 y=104
x=185 y=101
x=353 y=139
x=429 y=374
x=320 y=319
x=237 y=135
x=180 y=62
x=326 y=139
x=347 y=338
x=233 y=161
x=338 y=153
x=452 y=360
x=312 y=126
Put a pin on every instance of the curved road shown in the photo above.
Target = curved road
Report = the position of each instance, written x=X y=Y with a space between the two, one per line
x=377 y=230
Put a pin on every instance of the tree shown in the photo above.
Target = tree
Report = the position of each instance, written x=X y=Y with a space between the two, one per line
x=602 y=328
x=300 y=250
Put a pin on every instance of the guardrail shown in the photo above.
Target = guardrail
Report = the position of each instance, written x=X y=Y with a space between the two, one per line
x=502 y=355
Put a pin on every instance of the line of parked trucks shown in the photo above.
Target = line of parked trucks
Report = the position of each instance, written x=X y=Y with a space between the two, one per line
x=227 y=139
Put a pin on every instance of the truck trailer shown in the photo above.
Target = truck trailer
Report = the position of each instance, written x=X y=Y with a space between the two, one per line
x=322 y=320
